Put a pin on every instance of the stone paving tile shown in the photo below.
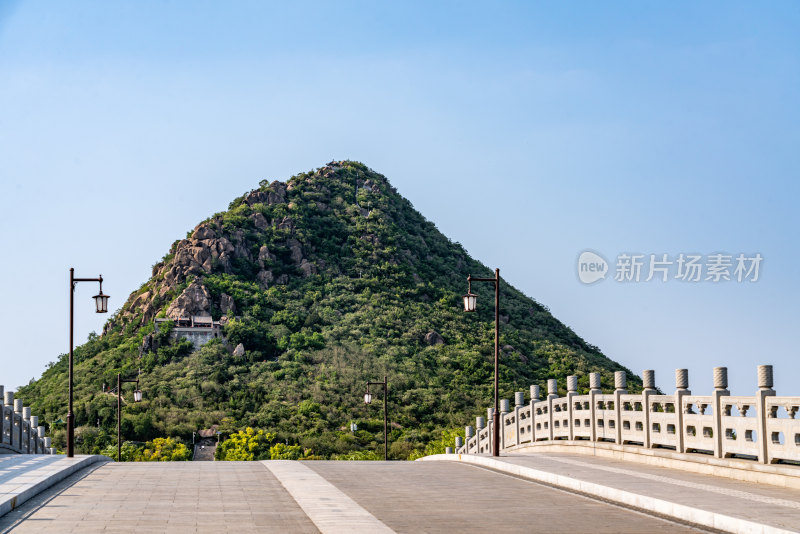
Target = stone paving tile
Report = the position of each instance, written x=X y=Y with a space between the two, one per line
x=761 y=503
x=174 y=497
x=449 y=497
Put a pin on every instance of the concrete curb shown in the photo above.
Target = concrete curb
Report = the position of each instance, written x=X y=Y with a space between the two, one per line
x=30 y=483
x=787 y=476
x=681 y=512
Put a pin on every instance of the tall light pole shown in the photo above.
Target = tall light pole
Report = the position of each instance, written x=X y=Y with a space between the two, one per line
x=137 y=397
x=368 y=400
x=470 y=306
x=101 y=305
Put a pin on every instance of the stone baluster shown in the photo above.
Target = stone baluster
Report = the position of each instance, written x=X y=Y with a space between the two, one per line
x=40 y=430
x=18 y=418
x=519 y=402
x=594 y=390
x=764 y=390
x=448 y=450
x=505 y=408
x=468 y=432
x=535 y=394
x=490 y=426
x=552 y=393
x=26 y=423
x=572 y=390
x=648 y=388
x=34 y=439
x=2 y=416
x=9 y=407
x=459 y=443
x=480 y=424
x=720 y=390
x=620 y=389
x=681 y=390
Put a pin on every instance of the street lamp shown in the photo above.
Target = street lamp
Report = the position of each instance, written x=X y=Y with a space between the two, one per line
x=137 y=397
x=101 y=305
x=368 y=400
x=470 y=302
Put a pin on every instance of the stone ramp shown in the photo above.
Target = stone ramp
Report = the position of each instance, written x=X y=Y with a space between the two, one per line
x=22 y=476
x=714 y=502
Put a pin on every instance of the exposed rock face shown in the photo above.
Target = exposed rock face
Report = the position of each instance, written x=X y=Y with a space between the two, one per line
x=308 y=268
x=434 y=338
x=259 y=221
x=239 y=350
x=286 y=224
x=264 y=256
x=203 y=232
x=214 y=247
x=275 y=195
x=265 y=278
x=195 y=300
x=202 y=253
x=296 y=250
x=227 y=305
x=144 y=302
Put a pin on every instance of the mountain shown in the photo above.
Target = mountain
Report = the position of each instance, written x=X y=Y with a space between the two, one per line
x=327 y=281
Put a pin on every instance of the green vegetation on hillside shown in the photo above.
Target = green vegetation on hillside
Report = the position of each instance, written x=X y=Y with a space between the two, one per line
x=328 y=281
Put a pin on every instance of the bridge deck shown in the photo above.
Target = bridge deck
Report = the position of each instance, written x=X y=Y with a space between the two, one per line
x=247 y=497
x=693 y=497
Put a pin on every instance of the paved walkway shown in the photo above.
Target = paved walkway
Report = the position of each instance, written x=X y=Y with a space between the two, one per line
x=328 y=497
x=716 y=502
x=23 y=476
x=204 y=450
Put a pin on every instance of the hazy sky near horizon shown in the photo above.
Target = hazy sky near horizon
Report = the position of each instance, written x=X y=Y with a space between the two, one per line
x=527 y=131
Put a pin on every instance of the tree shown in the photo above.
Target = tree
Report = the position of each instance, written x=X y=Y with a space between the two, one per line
x=279 y=451
x=247 y=444
x=165 y=450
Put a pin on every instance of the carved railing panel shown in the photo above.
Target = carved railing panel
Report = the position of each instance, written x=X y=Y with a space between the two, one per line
x=763 y=427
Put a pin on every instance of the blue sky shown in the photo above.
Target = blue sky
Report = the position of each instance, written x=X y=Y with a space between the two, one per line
x=527 y=131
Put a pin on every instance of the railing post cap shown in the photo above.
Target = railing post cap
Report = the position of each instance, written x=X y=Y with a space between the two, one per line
x=682 y=378
x=765 y=377
x=649 y=379
x=572 y=384
x=594 y=381
x=720 y=378
x=620 y=380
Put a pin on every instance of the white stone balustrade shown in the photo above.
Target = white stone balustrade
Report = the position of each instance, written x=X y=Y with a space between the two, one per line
x=20 y=431
x=763 y=427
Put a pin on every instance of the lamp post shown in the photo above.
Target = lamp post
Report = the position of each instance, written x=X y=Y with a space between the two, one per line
x=368 y=400
x=137 y=397
x=470 y=302
x=101 y=306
